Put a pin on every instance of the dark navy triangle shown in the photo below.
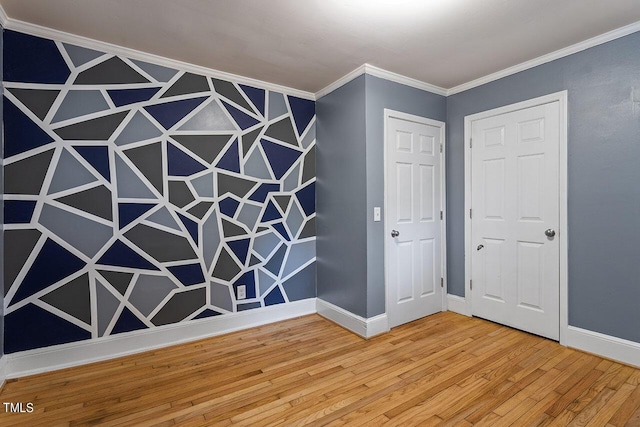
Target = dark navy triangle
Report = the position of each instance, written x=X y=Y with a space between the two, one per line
x=274 y=297
x=98 y=157
x=231 y=160
x=263 y=191
x=52 y=264
x=127 y=322
x=280 y=158
x=249 y=280
x=243 y=120
x=191 y=226
x=31 y=59
x=283 y=232
x=170 y=113
x=122 y=255
x=228 y=206
x=207 y=313
x=190 y=274
x=20 y=133
x=307 y=198
x=303 y=111
x=256 y=96
x=240 y=248
x=270 y=213
x=180 y=163
x=122 y=97
x=129 y=212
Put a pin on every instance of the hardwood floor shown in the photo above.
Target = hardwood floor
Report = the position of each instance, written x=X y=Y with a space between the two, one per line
x=442 y=370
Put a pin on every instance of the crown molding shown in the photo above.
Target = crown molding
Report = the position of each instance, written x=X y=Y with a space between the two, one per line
x=50 y=33
x=560 y=53
x=341 y=81
x=3 y=17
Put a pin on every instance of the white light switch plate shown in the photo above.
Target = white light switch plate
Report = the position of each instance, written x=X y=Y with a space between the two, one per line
x=376 y=214
x=242 y=291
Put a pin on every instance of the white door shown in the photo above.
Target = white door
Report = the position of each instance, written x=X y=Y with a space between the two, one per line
x=515 y=217
x=413 y=224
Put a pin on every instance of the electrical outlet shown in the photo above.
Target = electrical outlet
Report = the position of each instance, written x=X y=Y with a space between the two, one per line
x=242 y=291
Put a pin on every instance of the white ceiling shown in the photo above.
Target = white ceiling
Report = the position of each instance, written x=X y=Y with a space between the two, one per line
x=308 y=44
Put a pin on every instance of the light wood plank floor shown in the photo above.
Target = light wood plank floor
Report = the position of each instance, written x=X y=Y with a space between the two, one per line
x=442 y=370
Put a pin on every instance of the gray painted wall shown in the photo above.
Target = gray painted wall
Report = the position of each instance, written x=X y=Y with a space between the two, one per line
x=341 y=254
x=350 y=182
x=1 y=202
x=603 y=174
x=381 y=94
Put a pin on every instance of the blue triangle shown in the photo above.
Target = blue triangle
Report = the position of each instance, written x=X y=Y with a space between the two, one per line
x=303 y=111
x=307 y=198
x=270 y=213
x=256 y=96
x=240 y=248
x=263 y=191
x=228 y=206
x=243 y=120
x=52 y=264
x=207 y=313
x=129 y=212
x=283 y=231
x=192 y=227
x=98 y=157
x=122 y=97
x=274 y=297
x=180 y=163
x=127 y=322
x=170 y=113
x=31 y=59
x=249 y=280
x=231 y=160
x=280 y=158
x=20 y=133
x=122 y=255
x=188 y=274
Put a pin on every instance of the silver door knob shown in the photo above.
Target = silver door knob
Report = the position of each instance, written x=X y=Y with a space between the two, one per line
x=550 y=232
x=395 y=233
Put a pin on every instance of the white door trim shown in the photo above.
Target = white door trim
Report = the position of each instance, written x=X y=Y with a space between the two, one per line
x=388 y=114
x=560 y=97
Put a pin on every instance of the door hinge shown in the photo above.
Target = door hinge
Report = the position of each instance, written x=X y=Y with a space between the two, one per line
x=470 y=213
x=441 y=215
x=442 y=282
x=471 y=284
x=470 y=142
x=441 y=147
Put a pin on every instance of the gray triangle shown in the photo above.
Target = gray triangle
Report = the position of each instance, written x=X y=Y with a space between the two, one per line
x=200 y=210
x=148 y=160
x=249 y=214
x=211 y=117
x=309 y=169
x=291 y=182
x=309 y=229
x=112 y=71
x=188 y=83
x=264 y=281
x=98 y=129
x=282 y=131
x=96 y=201
x=282 y=201
x=256 y=167
x=294 y=219
x=129 y=184
x=277 y=105
x=161 y=74
x=203 y=185
x=231 y=230
x=226 y=267
x=261 y=229
x=38 y=101
x=18 y=245
x=81 y=55
x=238 y=186
x=207 y=147
x=139 y=128
x=79 y=103
x=163 y=217
x=27 y=176
x=149 y=291
x=310 y=137
x=120 y=281
x=107 y=305
x=73 y=298
x=210 y=239
x=274 y=264
x=254 y=261
x=179 y=194
x=248 y=139
x=229 y=91
x=69 y=174
x=221 y=296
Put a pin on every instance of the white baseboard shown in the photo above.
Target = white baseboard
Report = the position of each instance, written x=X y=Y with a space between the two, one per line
x=3 y=370
x=366 y=328
x=67 y=355
x=457 y=305
x=604 y=345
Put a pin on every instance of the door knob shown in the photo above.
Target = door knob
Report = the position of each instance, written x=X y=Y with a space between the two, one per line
x=550 y=232
x=395 y=233
x=479 y=247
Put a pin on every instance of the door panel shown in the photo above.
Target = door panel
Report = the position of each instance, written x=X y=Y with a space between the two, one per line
x=515 y=192
x=414 y=257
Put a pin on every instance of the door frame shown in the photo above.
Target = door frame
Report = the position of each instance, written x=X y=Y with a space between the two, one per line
x=389 y=114
x=561 y=98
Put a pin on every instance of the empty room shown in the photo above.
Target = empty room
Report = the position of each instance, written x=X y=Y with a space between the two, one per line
x=320 y=212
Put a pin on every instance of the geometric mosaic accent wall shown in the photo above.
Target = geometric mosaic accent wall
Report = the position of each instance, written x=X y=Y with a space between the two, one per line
x=138 y=196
